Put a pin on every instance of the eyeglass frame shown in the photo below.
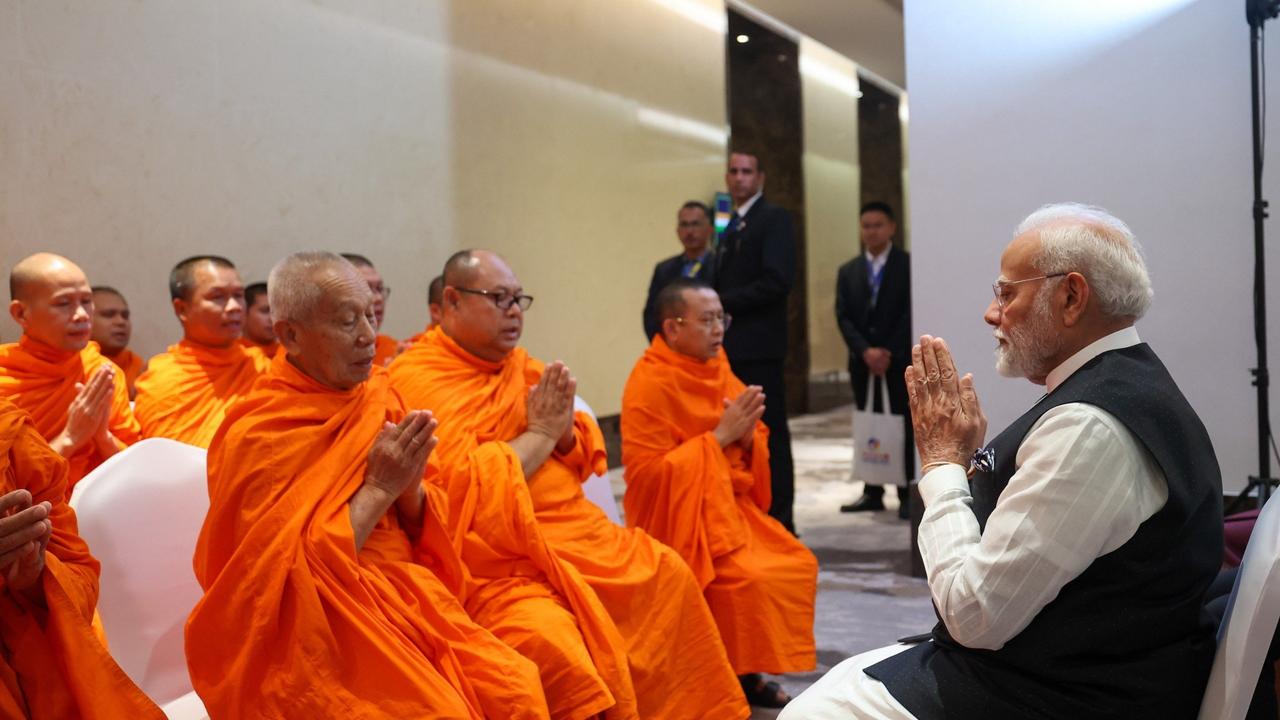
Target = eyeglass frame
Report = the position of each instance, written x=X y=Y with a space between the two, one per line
x=999 y=285
x=517 y=299
x=724 y=320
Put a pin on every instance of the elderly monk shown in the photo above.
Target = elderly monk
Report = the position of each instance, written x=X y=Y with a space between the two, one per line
x=258 y=332
x=697 y=459
x=53 y=665
x=77 y=398
x=330 y=584
x=186 y=391
x=386 y=347
x=471 y=371
x=112 y=328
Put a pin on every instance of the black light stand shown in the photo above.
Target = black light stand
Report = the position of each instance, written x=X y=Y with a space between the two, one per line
x=1258 y=12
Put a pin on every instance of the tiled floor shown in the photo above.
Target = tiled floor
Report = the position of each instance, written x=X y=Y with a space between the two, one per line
x=866 y=597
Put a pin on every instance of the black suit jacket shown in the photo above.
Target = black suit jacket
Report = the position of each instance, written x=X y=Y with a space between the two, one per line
x=663 y=273
x=888 y=323
x=754 y=273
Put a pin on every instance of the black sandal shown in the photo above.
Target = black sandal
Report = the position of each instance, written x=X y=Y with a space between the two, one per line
x=764 y=694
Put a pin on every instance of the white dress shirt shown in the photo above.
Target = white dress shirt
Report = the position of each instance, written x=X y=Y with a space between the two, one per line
x=745 y=207
x=1082 y=487
x=876 y=262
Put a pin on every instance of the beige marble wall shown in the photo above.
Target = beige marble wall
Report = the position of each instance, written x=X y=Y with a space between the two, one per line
x=831 y=180
x=136 y=132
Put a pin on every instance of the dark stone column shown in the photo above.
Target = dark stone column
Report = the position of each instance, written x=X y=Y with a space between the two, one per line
x=880 y=150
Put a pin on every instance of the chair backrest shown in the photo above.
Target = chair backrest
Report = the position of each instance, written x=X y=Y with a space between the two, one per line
x=1253 y=611
x=141 y=512
x=597 y=487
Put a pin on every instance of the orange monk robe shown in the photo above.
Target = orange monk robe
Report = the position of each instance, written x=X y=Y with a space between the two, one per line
x=185 y=392
x=385 y=349
x=294 y=622
x=711 y=505
x=131 y=363
x=677 y=662
x=52 y=665
x=42 y=380
x=269 y=349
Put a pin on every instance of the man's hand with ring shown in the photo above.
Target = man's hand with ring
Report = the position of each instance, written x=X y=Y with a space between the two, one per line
x=948 y=421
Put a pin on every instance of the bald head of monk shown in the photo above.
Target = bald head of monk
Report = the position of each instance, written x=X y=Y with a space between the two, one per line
x=112 y=323
x=376 y=285
x=51 y=300
x=435 y=294
x=208 y=298
x=693 y=321
x=323 y=311
x=483 y=303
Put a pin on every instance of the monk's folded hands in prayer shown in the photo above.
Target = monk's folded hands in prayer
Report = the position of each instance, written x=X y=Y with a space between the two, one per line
x=550 y=412
x=25 y=530
x=397 y=462
x=738 y=423
x=88 y=415
x=945 y=413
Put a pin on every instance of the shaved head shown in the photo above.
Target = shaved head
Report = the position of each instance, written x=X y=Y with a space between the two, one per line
x=460 y=269
x=182 y=279
x=292 y=290
x=435 y=290
x=359 y=261
x=52 y=301
x=673 y=298
x=33 y=270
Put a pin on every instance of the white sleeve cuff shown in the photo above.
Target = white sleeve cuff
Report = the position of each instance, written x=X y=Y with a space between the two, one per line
x=943 y=480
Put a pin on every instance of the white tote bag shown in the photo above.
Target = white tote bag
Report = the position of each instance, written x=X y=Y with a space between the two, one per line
x=877 y=440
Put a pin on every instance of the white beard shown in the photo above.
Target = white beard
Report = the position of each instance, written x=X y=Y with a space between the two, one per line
x=1026 y=349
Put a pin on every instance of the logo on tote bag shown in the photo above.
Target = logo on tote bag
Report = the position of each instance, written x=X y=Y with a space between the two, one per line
x=872 y=454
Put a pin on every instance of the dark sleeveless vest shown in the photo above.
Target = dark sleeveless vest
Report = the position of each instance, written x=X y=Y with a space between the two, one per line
x=1127 y=638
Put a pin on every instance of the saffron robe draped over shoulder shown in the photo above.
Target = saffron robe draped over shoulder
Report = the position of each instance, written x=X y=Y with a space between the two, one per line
x=42 y=381
x=385 y=349
x=676 y=659
x=52 y=665
x=269 y=349
x=131 y=363
x=711 y=505
x=294 y=621
x=185 y=392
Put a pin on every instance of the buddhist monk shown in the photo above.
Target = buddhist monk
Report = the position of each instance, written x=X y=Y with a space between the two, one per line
x=112 y=328
x=471 y=371
x=53 y=665
x=185 y=392
x=257 y=321
x=330 y=583
x=386 y=348
x=697 y=459
x=76 y=397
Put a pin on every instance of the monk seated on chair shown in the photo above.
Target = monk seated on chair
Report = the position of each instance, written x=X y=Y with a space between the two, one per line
x=330 y=584
x=76 y=397
x=186 y=391
x=697 y=459
x=53 y=665
x=471 y=371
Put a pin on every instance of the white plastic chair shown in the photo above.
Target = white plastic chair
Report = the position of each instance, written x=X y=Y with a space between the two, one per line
x=141 y=512
x=1249 y=623
x=597 y=487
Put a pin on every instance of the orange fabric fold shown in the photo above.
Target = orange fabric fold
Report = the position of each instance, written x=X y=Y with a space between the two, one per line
x=186 y=392
x=294 y=622
x=711 y=505
x=52 y=666
x=42 y=381
x=677 y=663
x=269 y=349
x=385 y=348
x=131 y=363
